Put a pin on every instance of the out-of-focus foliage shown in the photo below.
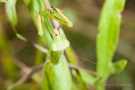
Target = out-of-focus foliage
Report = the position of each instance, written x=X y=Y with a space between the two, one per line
x=3 y=1
x=82 y=36
x=11 y=11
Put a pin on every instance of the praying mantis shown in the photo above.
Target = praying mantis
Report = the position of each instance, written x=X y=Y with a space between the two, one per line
x=59 y=42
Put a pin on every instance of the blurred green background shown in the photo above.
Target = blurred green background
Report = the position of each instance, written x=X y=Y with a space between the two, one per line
x=82 y=36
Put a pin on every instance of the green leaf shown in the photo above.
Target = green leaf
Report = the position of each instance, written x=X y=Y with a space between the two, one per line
x=87 y=78
x=81 y=85
x=34 y=5
x=107 y=40
x=70 y=55
x=11 y=11
x=119 y=66
x=20 y=37
x=3 y=1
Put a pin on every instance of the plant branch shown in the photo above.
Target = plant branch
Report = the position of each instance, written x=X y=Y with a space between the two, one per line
x=83 y=69
x=27 y=76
